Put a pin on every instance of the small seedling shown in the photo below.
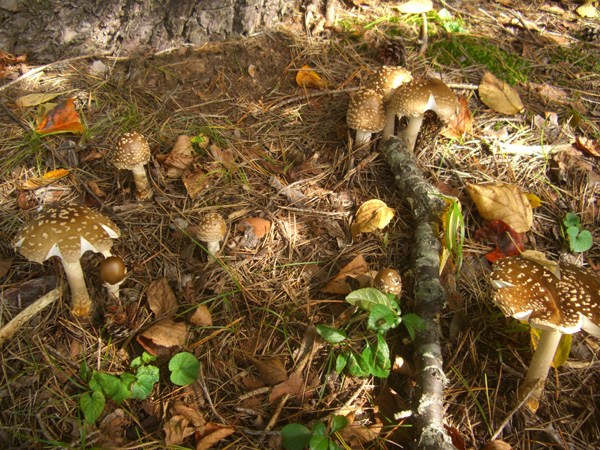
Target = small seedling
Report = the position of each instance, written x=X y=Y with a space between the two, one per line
x=579 y=240
x=296 y=436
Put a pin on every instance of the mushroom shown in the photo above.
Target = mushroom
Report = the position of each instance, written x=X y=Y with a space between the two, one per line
x=555 y=302
x=68 y=231
x=388 y=281
x=366 y=115
x=211 y=230
x=387 y=79
x=131 y=153
x=412 y=100
x=112 y=273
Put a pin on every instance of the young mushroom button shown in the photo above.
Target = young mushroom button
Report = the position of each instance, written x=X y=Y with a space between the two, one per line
x=388 y=281
x=211 y=230
x=68 y=231
x=366 y=115
x=412 y=100
x=557 y=305
x=112 y=272
x=131 y=153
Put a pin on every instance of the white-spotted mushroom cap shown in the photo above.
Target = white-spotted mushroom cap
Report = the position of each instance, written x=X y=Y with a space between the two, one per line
x=211 y=230
x=67 y=231
x=529 y=291
x=131 y=153
x=388 y=281
x=387 y=79
x=366 y=115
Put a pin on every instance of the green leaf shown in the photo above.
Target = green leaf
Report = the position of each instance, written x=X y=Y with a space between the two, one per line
x=147 y=357
x=331 y=334
x=341 y=362
x=295 y=436
x=146 y=376
x=334 y=446
x=338 y=423
x=184 y=368
x=581 y=242
x=319 y=442
x=377 y=358
x=92 y=405
x=136 y=362
x=381 y=318
x=366 y=298
x=319 y=428
x=357 y=366
x=571 y=220
x=413 y=322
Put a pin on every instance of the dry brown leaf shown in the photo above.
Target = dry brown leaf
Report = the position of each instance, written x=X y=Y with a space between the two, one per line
x=163 y=335
x=294 y=386
x=161 y=299
x=177 y=430
x=112 y=429
x=338 y=285
x=462 y=124
x=196 y=180
x=48 y=178
x=309 y=79
x=505 y=202
x=499 y=96
x=588 y=146
x=191 y=414
x=34 y=99
x=551 y=93
x=260 y=226
x=371 y=215
x=213 y=434
x=5 y=265
x=497 y=445
x=99 y=193
x=272 y=370
x=358 y=436
x=201 y=317
x=223 y=156
x=180 y=158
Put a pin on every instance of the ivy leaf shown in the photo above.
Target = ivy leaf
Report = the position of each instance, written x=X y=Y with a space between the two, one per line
x=571 y=220
x=146 y=376
x=579 y=241
x=92 y=405
x=184 y=368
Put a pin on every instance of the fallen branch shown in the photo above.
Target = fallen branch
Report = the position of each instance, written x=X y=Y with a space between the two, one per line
x=430 y=297
x=8 y=330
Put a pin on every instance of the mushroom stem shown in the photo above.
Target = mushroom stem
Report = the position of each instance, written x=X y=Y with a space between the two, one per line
x=539 y=368
x=213 y=247
x=141 y=181
x=412 y=131
x=362 y=138
x=424 y=35
x=80 y=298
x=388 y=129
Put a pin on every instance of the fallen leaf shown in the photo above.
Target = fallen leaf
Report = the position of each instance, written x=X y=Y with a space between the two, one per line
x=588 y=146
x=201 y=317
x=196 y=180
x=112 y=429
x=272 y=370
x=309 y=79
x=372 y=214
x=62 y=118
x=497 y=445
x=358 y=436
x=91 y=201
x=499 y=96
x=213 y=433
x=338 y=285
x=163 y=335
x=224 y=156
x=587 y=9
x=260 y=226
x=457 y=439
x=180 y=158
x=177 y=430
x=48 y=178
x=508 y=241
x=462 y=124
x=161 y=299
x=505 y=202
x=5 y=265
x=550 y=93
x=294 y=386
x=191 y=414
x=34 y=99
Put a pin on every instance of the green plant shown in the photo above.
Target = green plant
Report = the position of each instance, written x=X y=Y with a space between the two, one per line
x=384 y=314
x=296 y=436
x=579 y=240
x=183 y=366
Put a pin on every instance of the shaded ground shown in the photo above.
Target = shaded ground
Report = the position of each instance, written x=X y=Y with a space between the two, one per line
x=265 y=299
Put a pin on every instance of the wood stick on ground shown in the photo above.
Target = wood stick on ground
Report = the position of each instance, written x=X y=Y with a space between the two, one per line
x=8 y=330
x=430 y=297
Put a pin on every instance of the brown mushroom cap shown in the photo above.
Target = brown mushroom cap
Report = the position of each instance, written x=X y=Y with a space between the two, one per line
x=366 y=111
x=67 y=231
x=528 y=290
x=414 y=98
x=211 y=230
x=388 y=281
x=387 y=79
x=112 y=270
x=132 y=150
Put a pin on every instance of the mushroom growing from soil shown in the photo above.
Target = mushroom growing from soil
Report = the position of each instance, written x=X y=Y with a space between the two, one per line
x=68 y=231
x=388 y=281
x=366 y=115
x=211 y=230
x=387 y=79
x=565 y=304
x=112 y=273
x=131 y=153
x=412 y=100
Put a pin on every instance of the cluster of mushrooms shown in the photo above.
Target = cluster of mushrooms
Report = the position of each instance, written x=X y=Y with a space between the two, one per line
x=68 y=231
x=391 y=92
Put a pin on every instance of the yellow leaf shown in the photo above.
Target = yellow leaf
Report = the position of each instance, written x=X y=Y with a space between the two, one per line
x=34 y=99
x=499 y=95
x=534 y=200
x=48 y=178
x=371 y=215
x=563 y=350
x=56 y=174
x=309 y=79
x=505 y=202
x=587 y=9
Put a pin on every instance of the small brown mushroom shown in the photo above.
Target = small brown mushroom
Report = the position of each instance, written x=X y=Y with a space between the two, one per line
x=112 y=273
x=366 y=115
x=131 y=153
x=387 y=79
x=211 y=230
x=68 y=231
x=388 y=281
x=527 y=290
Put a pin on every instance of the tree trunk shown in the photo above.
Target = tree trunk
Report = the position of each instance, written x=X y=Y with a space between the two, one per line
x=50 y=30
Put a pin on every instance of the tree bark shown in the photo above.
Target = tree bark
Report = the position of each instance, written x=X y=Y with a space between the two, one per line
x=57 y=29
x=430 y=297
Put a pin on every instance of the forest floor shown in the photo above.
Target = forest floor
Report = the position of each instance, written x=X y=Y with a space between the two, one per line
x=283 y=153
